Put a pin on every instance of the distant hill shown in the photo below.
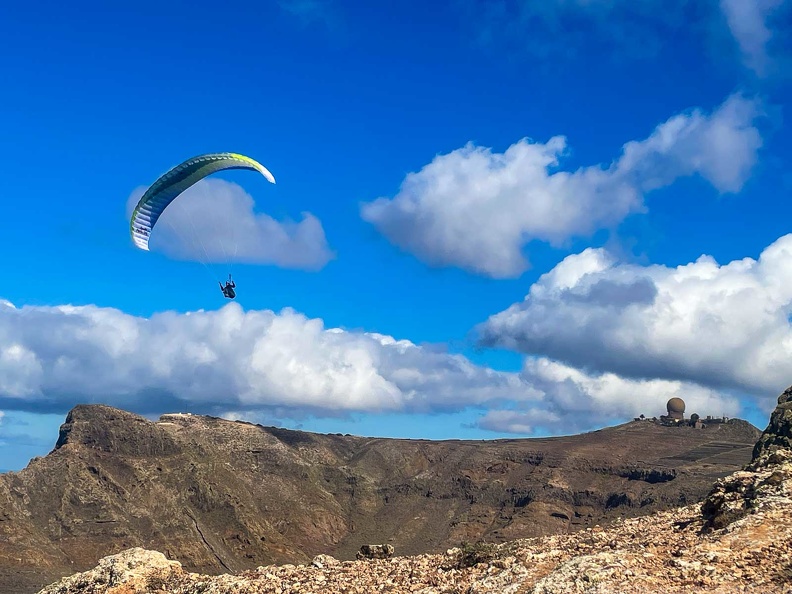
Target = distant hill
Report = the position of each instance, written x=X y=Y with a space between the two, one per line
x=224 y=496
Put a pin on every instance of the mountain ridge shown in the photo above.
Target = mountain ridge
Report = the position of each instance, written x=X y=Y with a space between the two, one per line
x=222 y=496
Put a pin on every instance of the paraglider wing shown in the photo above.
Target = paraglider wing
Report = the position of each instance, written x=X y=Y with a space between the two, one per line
x=165 y=190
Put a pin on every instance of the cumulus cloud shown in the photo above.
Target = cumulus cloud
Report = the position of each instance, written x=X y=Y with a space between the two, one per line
x=262 y=364
x=750 y=24
x=215 y=221
x=720 y=326
x=477 y=209
x=229 y=359
x=572 y=400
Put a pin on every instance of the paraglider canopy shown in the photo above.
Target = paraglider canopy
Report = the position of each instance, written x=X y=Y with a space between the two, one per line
x=171 y=184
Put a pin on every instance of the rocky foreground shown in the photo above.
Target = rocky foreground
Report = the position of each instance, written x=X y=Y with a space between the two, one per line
x=738 y=540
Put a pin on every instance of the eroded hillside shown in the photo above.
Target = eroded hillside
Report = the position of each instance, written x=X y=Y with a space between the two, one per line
x=222 y=496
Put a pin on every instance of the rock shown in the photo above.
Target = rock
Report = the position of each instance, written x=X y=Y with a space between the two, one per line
x=137 y=569
x=381 y=551
x=321 y=561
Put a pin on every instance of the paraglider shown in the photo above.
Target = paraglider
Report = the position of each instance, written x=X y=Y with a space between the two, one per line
x=170 y=185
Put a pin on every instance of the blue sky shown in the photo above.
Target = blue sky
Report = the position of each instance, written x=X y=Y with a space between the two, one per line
x=491 y=218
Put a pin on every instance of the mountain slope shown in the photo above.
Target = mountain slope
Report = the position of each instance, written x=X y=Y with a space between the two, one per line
x=223 y=496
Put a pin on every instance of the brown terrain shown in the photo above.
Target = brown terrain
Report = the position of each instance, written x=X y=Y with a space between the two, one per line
x=738 y=540
x=221 y=497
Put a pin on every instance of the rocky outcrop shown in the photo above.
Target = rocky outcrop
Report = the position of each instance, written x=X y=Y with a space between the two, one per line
x=379 y=551
x=131 y=571
x=733 y=497
x=106 y=429
x=768 y=474
x=778 y=434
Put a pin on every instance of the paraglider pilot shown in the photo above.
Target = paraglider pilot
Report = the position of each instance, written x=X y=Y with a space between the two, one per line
x=228 y=290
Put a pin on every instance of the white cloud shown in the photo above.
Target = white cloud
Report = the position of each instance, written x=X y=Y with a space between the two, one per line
x=721 y=326
x=477 y=209
x=721 y=147
x=749 y=23
x=215 y=221
x=573 y=401
x=262 y=364
x=229 y=359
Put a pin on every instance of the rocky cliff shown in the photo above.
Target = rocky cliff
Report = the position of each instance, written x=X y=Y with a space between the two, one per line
x=778 y=434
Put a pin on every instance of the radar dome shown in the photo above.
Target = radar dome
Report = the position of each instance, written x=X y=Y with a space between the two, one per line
x=676 y=408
